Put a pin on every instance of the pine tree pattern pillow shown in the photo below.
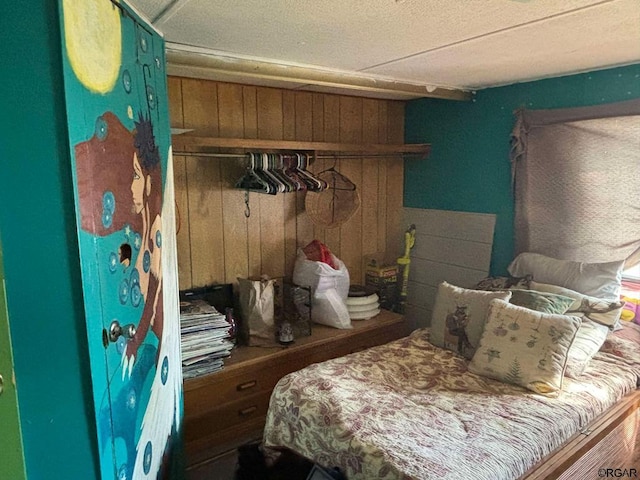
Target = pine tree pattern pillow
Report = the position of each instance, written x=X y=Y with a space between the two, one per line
x=525 y=347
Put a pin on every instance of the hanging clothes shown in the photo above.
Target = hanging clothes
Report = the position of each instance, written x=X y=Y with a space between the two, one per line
x=274 y=173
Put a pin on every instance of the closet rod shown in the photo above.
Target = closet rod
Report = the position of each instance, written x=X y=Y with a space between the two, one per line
x=338 y=155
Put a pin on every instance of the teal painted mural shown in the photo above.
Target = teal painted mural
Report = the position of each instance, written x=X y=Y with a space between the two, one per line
x=117 y=109
x=468 y=168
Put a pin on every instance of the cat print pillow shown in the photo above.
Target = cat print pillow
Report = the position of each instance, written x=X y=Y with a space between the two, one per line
x=459 y=315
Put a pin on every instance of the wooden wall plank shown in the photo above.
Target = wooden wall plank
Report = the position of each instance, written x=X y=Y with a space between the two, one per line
x=304 y=131
x=200 y=106
x=320 y=163
x=289 y=121
x=332 y=134
x=230 y=110
x=183 y=234
x=369 y=193
x=234 y=222
x=382 y=181
x=318 y=117
x=254 y=235
x=174 y=85
x=200 y=109
x=269 y=107
x=249 y=101
x=351 y=231
x=288 y=115
x=174 y=92
x=304 y=116
x=395 y=182
x=205 y=212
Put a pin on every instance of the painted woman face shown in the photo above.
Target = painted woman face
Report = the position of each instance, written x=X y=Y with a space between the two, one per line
x=137 y=185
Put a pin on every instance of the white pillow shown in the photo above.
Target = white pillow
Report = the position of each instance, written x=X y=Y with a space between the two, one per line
x=525 y=347
x=602 y=280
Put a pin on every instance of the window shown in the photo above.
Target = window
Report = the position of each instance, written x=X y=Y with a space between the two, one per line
x=573 y=173
x=632 y=274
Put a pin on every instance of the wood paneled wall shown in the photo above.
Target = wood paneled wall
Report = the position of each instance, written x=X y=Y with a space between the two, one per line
x=217 y=243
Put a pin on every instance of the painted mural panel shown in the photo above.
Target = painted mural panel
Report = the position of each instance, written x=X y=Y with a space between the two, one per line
x=118 y=122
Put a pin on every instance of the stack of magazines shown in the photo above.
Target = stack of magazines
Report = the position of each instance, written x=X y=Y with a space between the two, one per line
x=206 y=338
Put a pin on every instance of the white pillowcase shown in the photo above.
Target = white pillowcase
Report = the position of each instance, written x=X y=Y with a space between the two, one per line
x=602 y=280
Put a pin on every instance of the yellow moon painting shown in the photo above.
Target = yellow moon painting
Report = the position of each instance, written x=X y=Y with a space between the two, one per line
x=93 y=39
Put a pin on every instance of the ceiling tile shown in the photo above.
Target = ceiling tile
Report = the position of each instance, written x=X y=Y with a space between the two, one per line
x=350 y=35
x=608 y=35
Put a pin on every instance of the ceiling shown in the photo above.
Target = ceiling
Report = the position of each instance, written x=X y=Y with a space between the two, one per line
x=394 y=48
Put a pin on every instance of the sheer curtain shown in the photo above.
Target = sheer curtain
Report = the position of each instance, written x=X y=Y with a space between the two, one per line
x=576 y=181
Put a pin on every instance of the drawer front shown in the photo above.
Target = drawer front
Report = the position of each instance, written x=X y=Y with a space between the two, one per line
x=230 y=388
x=227 y=416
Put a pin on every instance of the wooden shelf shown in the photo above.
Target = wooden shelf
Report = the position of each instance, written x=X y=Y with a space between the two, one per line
x=192 y=144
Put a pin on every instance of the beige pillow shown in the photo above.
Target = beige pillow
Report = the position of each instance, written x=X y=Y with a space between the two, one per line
x=525 y=347
x=598 y=317
x=458 y=317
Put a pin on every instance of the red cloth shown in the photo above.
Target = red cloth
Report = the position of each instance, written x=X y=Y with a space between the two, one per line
x=318 y=252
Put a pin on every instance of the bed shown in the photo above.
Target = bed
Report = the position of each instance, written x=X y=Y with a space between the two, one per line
x=413 y=410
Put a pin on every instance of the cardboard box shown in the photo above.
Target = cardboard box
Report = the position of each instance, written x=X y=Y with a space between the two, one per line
x=384 y=278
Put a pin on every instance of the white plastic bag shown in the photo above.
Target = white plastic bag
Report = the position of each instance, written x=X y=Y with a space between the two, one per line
x=329 y=289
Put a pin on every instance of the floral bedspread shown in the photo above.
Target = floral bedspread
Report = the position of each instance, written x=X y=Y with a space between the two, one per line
x=410 y=410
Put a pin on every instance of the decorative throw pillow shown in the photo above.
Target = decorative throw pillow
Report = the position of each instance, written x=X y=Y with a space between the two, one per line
x=458 y=317
x=598 y=318
x=525 y=347
x=605 y=312
x=503 y=283
x=602 y=280
x=541 y=301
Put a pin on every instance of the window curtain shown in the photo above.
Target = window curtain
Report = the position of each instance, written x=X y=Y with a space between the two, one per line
x=576 y=182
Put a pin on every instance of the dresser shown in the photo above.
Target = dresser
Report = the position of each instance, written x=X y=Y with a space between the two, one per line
x=226 y=409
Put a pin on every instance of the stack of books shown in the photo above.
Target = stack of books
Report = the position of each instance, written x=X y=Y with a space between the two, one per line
x=206 y=338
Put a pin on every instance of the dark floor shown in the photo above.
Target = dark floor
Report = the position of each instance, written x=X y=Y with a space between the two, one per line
x=248 y=463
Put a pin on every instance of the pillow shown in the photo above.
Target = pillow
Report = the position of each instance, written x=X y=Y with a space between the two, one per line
x=503 y=283
x=602 y=280
x=525 y=347
x=541 y=301
x=589 y=339
x=605 y=312
x=458 y=317
x=593 y=330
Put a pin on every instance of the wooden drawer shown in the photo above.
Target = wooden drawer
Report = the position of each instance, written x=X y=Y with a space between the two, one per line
x=227 y=416
x=224 y=388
